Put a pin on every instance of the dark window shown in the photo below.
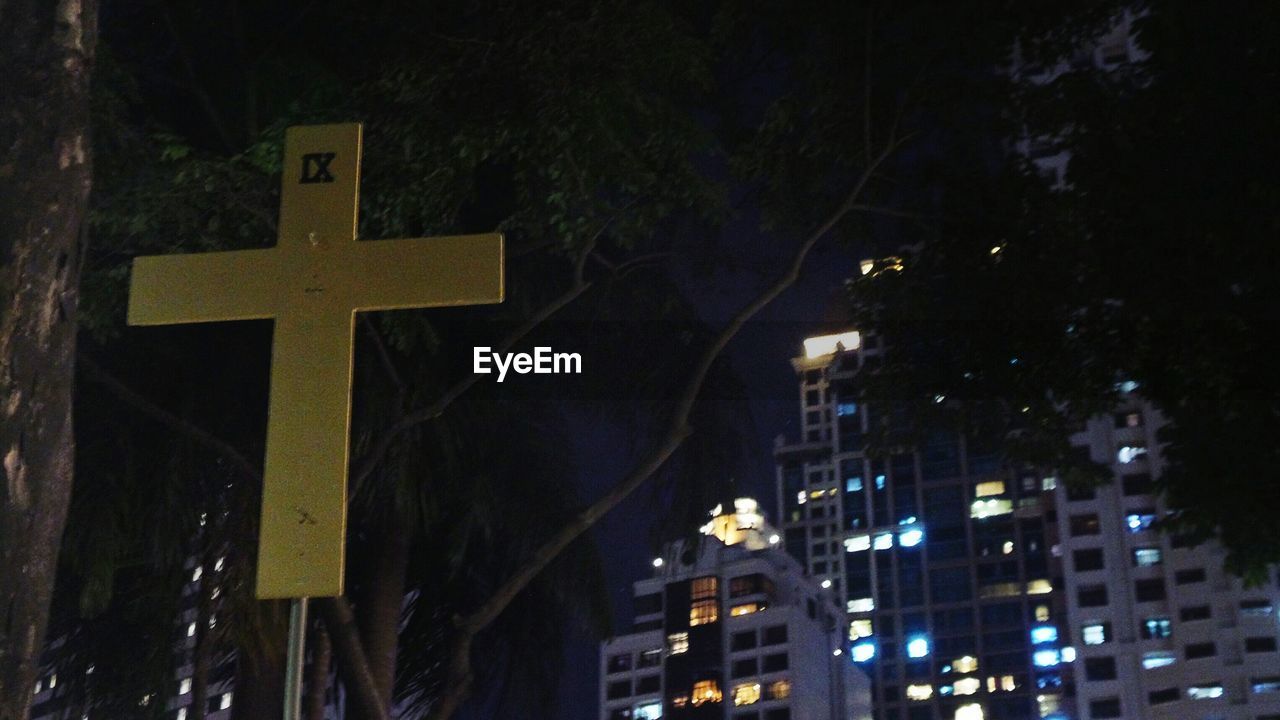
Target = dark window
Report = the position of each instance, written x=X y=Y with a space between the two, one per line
x=1186 y=577
x=1200 y=650
x=743 y=640
x=1092 y=595
x=1137 y=484
x=622 y=713
x=619 y=663
x=1104 y=709
x=1090 y=559
x=747 y=585
x=1128 y=419
x=618 y=689
x=818 y=549
x=647 y=684
x=811 y=397
x=1148 y=590
x=778 y=714
x=774 y=635
x=1194 y=612
x=744 y=668
x=1260 y=644
x=774 y=663
x=1085 y=524
x=1157 y=697
x=1100 y=668
x=649 y=604
x=1079 y=491
x=650 y=658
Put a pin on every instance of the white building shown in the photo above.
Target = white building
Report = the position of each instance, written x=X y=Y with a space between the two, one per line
x=1163 y=632
x=733 y=630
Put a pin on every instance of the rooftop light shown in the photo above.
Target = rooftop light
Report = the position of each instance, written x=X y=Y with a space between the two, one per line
x=816 y=347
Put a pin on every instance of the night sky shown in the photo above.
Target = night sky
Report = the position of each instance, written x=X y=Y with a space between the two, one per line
x=761 y=355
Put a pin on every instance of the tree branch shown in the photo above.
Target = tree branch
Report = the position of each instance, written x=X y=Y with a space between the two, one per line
x=460 y=677
x=180 y=425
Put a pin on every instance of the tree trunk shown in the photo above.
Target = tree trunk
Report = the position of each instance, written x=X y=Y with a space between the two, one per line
x=259 y=689
x=318 y=673
x=380 y=605
x=46 y=54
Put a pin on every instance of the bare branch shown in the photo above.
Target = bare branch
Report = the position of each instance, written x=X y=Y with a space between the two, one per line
x=460 y=678
x=181 y=425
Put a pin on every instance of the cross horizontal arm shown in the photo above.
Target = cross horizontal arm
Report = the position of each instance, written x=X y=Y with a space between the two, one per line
x=234 y=285
x=428 y=272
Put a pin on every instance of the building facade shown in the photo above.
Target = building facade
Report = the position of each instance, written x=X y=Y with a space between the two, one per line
x=731 y=630
x=1163 y=631
x=940 y=555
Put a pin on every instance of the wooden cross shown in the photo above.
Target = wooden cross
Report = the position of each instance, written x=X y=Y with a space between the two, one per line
x=312 y=283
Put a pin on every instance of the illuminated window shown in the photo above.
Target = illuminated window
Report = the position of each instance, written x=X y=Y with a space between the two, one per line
x=1042 y=613
x=972 y=711
x=857 y=543
x=966 y=664
x=863 y=651
x=705 y=691
x=1008 y=683
x=678 y=643
x=967 y=686
x=648 y=711
x=1129 y=453
x=746 y=609
x=990 y=487
x=746 y=694
x=883 y=541
x=815 y=347
x=1007 y=548
x=1154 y=628
x=679 y=701
x=184 y=687
x=1046 y=658
x=1140 y=519
x=704 y=588
x=1048 y=705
x=1204 y=692
x=1043 y=634
x=1146 y=557
x=910 y=538
x=919 y=692
x=1158 y=659
x=1261 y=685
x=1095 y=633
x=1039 y=587
x=917 y=647
x=859 y=605
x=225 y=702
x=859 y=629
x=779 y=690
x=703 y=612
x=990 y=507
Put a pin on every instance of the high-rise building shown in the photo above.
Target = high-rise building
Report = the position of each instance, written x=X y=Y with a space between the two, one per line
x=1163 y=630
x=732 y=629
x=939 y=553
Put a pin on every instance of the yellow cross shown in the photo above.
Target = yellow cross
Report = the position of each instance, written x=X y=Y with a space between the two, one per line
x=312 y=283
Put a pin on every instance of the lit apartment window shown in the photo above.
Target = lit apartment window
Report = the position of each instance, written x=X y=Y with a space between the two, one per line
x=746 y=609
x=919 y=692
x=1129 y=453
x=972 y=711
x=859 y=629
x=703 y=612
x=1008 y=683
x=648 y=711
x=704 y=588
x=705 y=691
x=990 y=508
x=1157 y=659
x=990 y=487
x=1205 y=692
x=860 y=605
x=1147 y=556
x=778 y=690
x=1096 y=633
x=917 y=647
x=1042 y=613
x=1154 y=628
x=1256 y=608
x=857 y=543
x=678 y=643
x=1139 y=519
x=184 y=687
x=746 y=694
x=966 y=664
x=967 y=686
x=1270 y=684
x=650 y=658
